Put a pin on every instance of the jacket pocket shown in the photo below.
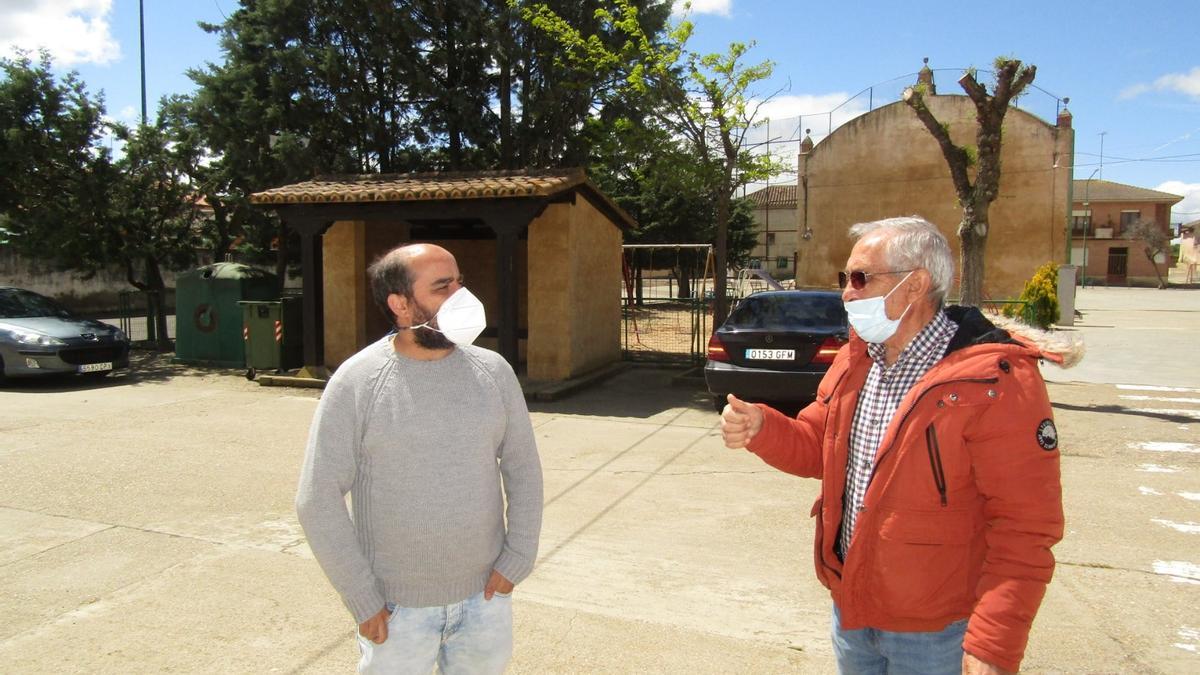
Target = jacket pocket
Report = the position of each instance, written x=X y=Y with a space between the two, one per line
x=824 y=571
x=935 y=462
x=920 y=567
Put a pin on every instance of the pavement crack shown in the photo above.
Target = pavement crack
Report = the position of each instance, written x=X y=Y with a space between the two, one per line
x=60 y=545
x=1117 y=568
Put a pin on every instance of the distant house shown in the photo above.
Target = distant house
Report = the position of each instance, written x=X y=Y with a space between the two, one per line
x=1101 y=214
x=1189 y=250
x=775 y=230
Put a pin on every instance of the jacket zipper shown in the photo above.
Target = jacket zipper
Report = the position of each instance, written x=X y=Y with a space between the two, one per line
x=935 y=461
x=880 y=456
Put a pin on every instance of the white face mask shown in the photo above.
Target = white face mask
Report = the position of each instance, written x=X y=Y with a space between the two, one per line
x=460 y=318
x=869 y=316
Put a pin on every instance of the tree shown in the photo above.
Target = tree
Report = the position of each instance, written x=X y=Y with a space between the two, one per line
x=52 y=166
x=1155 y=243
x=154 y=222
x=706 y=100
x=975 y=197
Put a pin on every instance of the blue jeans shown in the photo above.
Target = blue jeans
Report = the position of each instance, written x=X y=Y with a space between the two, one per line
x=472 y=636
x=868 y=651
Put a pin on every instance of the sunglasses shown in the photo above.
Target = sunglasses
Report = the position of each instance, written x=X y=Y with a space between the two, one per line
x=858 y=280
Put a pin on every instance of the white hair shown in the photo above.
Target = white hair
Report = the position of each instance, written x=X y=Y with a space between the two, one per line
x=914 y=243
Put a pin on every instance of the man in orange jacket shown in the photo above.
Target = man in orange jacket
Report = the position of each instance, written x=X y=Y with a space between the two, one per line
x=935 y=444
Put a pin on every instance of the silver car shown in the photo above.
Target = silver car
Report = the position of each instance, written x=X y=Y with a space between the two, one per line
x=38 y=336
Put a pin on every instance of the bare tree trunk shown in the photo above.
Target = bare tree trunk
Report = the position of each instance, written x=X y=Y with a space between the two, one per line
x=720 y=305
x=505 y=94
x=157 y=304
x=1150 y=256
x=685 y=282
x=972 y=232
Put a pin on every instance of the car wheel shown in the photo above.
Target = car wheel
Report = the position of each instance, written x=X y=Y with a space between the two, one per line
x=250 y=374
x=1 y=368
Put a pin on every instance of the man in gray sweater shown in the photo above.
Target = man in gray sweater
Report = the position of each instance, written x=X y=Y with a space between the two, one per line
x=431 y=438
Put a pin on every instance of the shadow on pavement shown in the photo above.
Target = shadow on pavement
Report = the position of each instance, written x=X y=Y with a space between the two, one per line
x=639 y=392
x=1122 y=410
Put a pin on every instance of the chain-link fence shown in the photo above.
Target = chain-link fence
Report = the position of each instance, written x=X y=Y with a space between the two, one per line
x=667 y=300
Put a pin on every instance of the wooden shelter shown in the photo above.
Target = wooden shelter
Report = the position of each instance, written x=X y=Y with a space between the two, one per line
x=541 y=249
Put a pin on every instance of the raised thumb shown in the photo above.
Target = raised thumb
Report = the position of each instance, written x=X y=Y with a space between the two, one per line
x=737 y=404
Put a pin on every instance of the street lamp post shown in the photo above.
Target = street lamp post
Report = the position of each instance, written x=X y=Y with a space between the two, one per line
x=1087 y=210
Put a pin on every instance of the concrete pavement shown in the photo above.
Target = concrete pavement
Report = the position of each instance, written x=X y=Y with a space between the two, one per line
x=146 y=525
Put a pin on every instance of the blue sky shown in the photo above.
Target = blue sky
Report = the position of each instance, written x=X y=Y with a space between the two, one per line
x=1130 y=69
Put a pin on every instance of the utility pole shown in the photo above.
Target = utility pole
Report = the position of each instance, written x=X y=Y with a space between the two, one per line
x=142 y=43
x=1102 y=133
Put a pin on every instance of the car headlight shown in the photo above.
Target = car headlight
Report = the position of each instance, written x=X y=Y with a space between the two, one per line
x=26 y=337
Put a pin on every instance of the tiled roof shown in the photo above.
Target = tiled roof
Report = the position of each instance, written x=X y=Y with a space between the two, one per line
x=1108 y=191
x=774 y=197
x=423 y=186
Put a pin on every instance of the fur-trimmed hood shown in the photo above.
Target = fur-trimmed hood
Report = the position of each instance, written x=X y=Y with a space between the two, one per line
x=1062 y=349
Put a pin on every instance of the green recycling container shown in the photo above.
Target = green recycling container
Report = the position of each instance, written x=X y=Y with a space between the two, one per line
x=273 y=334
x=208 y=320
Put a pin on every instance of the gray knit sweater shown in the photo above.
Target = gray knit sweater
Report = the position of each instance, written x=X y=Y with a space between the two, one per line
x=424 y=448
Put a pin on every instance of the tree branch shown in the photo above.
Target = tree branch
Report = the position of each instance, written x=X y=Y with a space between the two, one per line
x=956 y=157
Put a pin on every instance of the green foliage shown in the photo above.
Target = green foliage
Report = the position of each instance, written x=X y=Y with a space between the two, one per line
x=697 y=107
x=1040 y=297
x=51 y=162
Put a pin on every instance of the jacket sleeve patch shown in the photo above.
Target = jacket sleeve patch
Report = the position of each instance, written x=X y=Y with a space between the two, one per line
x=1047 y=435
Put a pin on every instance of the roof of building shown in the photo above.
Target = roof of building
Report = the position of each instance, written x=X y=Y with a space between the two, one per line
x=1107 y=191
x=409 y=187
x=774 y=197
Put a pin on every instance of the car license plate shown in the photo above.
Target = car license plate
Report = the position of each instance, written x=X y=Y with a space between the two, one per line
x=96 y=367
x=770 y=354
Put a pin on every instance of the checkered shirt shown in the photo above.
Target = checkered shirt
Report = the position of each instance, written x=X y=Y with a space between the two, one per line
x=877 y=402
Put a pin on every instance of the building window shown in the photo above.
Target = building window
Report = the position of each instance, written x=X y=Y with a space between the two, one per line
x=770 y=239
x=1081 y=224
x=781 y=262
x=1128 y=218
x=755 y=264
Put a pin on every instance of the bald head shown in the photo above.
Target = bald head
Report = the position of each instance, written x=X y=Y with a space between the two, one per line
x=395 y=271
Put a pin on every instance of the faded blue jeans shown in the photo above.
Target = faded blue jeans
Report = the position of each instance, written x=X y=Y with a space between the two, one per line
x=468 y=637
x=868 y=651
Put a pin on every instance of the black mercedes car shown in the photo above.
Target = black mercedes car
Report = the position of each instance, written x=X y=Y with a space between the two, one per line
x=38 y=336
x=776 y=346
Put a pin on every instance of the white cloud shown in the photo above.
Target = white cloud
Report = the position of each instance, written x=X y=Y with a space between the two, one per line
x=718 y=7
x=73 y=31
x=1187 y=210
x=1184 y=83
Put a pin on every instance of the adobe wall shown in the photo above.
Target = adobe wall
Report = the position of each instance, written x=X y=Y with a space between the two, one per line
x=574 y=291
x=885 y=163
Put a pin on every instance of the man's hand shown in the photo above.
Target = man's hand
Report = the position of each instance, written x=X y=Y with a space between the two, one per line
x=497 y=584
x=973 y=666
x=740 y=421
x=375 y=628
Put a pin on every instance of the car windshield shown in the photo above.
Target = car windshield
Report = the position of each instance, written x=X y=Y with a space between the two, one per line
x=19 y=304
x=789 y=311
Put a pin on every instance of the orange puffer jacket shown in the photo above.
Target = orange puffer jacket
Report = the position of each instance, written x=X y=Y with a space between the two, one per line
x=965 y=499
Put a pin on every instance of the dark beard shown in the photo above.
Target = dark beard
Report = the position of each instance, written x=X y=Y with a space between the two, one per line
x=426 y=337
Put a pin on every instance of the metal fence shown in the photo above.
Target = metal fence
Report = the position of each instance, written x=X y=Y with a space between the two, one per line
x=133 y=315
x=667 y=299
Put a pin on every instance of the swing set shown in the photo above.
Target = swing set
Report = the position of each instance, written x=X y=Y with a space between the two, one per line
x=667 y=317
